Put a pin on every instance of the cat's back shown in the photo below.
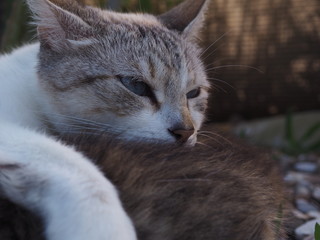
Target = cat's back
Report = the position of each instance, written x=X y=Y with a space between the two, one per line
x=18 y=81
x=222 y=190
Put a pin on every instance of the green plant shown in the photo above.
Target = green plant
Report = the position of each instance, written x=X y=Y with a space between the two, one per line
x=295 y=146
x=317 y=232
x=145 y=5
x=278 y=221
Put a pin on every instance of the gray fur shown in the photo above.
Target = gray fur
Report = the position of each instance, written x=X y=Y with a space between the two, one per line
x=85 y=49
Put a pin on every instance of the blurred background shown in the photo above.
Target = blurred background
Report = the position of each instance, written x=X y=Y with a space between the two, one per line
x=263 y=60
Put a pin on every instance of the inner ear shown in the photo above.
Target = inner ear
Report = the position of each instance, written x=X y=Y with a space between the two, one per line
x=185 y=15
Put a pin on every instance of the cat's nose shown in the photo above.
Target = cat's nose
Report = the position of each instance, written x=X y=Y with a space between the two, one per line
x=182 y=135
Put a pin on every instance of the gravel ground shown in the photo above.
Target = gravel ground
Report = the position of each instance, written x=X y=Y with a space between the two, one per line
x=302 y=178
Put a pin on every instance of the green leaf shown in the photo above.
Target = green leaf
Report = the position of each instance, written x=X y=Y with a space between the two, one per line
x=310 y=132
x=289 y=127
x=243 y=134
x=314 y=147
x=145 y=5
x=278 y=221
x=317 y=232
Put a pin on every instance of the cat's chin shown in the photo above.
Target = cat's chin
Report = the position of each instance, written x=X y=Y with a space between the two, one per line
x=162 y=140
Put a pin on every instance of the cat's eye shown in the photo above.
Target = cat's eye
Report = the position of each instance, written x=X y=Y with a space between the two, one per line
x=194 y=93
x=136 y=86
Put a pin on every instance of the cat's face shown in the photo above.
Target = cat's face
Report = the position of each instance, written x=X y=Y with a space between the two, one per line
x=123 y=73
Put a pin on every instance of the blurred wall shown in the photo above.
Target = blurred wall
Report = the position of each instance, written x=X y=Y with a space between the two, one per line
x=279 y=37
x=265 y=58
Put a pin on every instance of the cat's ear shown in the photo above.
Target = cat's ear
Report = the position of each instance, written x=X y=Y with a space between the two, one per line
x=58 y=28
x=186 y=18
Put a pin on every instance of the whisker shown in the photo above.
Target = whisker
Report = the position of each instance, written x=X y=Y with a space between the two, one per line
x=222 y=81
x=227 y=66
x=217 y=87
x=87 y=121
x=203 y=144
x=216 y=135
x=223 y=35
x=84 y=126
x=213 y=63
x=207 y=136
x=77 y=120
x=76 y=125
x=79 y=132
x=83 y=120
x=212 y=52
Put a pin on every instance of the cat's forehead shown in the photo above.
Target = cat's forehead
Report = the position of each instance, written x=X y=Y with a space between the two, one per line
x=142 y=31
x=140 y=43
x=139 y=32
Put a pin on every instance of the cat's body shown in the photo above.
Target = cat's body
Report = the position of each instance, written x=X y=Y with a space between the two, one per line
x=134 y=75
x=220 y=191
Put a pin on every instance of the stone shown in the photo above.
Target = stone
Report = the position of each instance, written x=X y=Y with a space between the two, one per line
x=314 y=214
x=316 y=193
x=305 y=206
x=294 y=177
x=302 y=191
x=308 y=167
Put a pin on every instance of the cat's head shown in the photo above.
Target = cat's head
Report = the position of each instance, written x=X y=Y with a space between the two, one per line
x=137 y=75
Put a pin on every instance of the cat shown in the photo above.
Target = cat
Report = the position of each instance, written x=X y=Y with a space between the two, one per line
x=222 y=190
x=133 y=75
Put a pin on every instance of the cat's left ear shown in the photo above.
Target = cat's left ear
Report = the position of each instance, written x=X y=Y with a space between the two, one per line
x=58 y=28
x=186 y=18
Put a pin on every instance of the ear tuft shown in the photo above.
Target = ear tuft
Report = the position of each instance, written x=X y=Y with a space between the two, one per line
x=56 y=25
x=186 y=18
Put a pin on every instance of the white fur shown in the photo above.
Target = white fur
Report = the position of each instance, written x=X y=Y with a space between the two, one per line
x=19 y=91
x=75 y=200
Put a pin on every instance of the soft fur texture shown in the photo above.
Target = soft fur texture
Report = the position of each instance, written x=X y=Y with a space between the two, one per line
x=221 y=190
x=82 y=76
x=71 y=81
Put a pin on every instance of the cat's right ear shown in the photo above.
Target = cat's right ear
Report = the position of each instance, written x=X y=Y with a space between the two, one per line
x=187 y=18
x=58 y=28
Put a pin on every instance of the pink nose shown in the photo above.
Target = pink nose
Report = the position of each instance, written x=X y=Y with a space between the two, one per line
x=182 y=135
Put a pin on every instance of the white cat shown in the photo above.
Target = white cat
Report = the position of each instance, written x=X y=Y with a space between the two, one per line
x=135 y=75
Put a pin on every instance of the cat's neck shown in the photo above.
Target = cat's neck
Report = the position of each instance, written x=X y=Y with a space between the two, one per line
x=20 y=96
